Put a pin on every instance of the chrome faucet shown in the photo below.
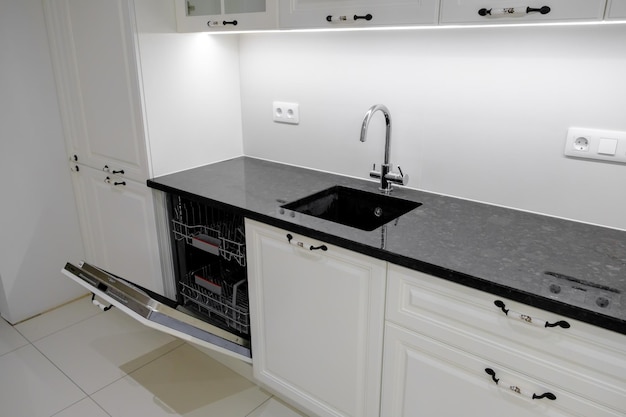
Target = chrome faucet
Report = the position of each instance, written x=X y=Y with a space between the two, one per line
x=387 y=177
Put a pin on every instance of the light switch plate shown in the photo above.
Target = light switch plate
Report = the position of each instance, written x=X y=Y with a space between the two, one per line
x=604 y=145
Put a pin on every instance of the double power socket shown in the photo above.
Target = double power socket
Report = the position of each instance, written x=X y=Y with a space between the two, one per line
x=285 y=112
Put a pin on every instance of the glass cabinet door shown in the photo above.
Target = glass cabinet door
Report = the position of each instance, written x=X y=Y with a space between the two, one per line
x=225 y=15
x=244 y=6
x=204 y=7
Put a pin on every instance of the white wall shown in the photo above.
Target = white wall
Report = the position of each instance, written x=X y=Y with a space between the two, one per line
x=191 y=91
x=38 y=220
x=478 y=113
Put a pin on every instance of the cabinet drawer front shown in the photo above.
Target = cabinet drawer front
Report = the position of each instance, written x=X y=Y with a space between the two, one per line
x=416 y=300
x=316 y=13
x=424 y=377
x=467 y=11
x=616 y=9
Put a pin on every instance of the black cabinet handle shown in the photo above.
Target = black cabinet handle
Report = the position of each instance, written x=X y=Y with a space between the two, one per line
x=512 y=11
x=108 y=181
x=302 y=245
x=518 y=390
x=528 y=319
x=99 y=304
x=232 y=22
x=331 y=18
x=121 y=171
x=542 y=10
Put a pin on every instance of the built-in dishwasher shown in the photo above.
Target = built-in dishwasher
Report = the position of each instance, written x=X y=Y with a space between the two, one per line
x=211 y=306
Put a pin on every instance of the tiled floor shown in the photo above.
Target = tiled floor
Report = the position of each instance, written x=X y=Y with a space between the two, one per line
x=77 y=361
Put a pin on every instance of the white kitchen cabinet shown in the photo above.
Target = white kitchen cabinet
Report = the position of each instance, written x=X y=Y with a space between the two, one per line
x=225 y=15
x=98 y=81
x=348 y=13
x=519 y=11
x=440 y=339
x=317 y=322
x=118 y=225
x=616 y=9
x=97 y=71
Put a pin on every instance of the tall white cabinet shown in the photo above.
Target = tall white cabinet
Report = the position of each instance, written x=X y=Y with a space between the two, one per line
x=317 y=314
x=93 y=45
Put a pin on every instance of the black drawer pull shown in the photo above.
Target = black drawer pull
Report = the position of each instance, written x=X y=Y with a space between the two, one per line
x=516 y=389
x=303 y=245
x=513 y=11
x=232 y=22
x=99 y=304
x=367 y=17
x=528 y=319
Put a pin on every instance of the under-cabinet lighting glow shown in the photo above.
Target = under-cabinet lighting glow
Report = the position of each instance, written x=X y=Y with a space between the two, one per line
x=421 y=27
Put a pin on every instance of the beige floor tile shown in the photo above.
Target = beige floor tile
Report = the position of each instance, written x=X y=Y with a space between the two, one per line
x=32 y=386
x=275 y=408
x=83 y=408
x=10 y=339
x=101 y=349
x=58 y=319
x=185 y=382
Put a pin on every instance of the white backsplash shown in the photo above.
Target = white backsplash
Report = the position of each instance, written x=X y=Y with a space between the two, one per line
x=478 y=113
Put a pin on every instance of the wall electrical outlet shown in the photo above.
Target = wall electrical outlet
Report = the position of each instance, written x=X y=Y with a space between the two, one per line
x=286 y=112
x=605 y=145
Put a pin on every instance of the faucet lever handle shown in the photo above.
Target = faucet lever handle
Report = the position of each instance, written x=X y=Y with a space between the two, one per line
x=374 y=173
x=401 y=173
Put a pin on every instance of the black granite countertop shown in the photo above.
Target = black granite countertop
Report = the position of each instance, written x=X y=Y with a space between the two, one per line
x=569 y=268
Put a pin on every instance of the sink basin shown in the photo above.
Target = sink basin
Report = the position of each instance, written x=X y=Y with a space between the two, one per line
x=360 y=209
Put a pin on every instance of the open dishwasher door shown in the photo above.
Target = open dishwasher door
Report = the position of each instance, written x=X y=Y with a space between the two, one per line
x=158 y=312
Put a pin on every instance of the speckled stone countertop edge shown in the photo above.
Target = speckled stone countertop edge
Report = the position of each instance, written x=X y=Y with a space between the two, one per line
x=176 y=184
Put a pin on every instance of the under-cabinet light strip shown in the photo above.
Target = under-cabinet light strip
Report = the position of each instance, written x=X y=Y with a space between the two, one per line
x=418 y=27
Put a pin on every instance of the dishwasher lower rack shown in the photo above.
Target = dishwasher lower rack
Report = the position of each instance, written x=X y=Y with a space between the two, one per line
x=219 y=296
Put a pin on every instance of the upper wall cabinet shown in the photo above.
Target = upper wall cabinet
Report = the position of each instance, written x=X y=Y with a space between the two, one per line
x=350 y=13
x=520 y=11
x=616 y=9
x=225 y=15
x=98 y=79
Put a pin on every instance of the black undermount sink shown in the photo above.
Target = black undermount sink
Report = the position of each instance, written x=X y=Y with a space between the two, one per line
x=351 y=207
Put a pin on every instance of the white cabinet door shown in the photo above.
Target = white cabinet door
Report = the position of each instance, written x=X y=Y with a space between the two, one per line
x=424 y=377
x=118 y=226
x=94 y=55
x=519 y=11
x=350 y=13
x=616 y=9
x=316 y=322
x=225 y=15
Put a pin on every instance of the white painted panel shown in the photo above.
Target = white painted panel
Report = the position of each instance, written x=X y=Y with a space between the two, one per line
x=616 y=9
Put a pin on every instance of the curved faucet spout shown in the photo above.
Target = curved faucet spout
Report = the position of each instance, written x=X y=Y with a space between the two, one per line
x=386 y=176
x=366 y=122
